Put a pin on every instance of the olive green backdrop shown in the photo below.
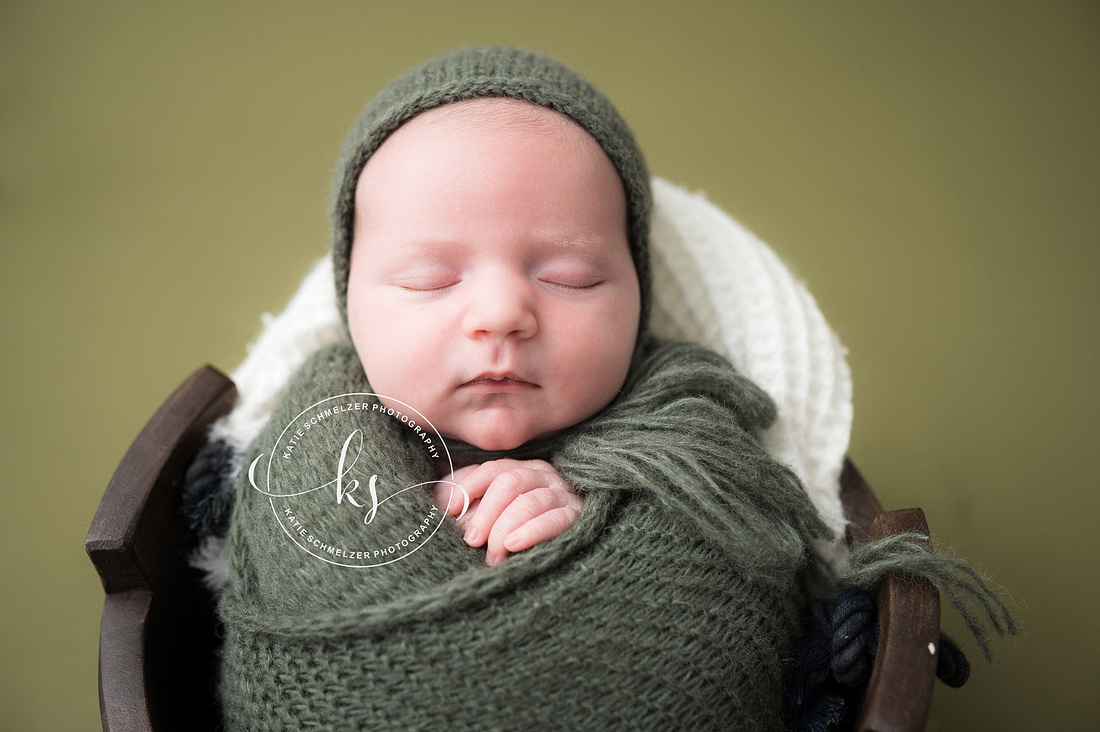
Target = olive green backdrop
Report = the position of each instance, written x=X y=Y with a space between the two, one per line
x=932 y=170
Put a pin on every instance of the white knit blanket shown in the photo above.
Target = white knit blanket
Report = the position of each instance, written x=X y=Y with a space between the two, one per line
x=713 y=283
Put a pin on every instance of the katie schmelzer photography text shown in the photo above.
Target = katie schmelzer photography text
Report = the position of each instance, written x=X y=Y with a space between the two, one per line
x=324 y=496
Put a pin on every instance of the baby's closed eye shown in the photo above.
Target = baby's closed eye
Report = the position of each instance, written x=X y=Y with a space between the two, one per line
x=571 y=276
x=426 y=280
x=567 y=283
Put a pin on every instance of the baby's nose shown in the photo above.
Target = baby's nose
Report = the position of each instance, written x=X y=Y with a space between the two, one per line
x=501 y=307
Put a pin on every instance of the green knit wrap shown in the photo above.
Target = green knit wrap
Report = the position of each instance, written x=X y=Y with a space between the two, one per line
x=671 y=602
x=493 y=71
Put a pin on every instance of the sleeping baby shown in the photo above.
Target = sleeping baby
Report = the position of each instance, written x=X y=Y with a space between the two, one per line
x=491 y=285
x=626 y=554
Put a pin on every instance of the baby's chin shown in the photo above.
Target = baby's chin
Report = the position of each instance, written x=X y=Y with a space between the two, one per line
x=494 y=444
x=497 y=432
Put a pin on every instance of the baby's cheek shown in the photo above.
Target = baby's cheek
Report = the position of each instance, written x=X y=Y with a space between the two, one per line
x=385 y=326
x=405 y=356
x=604 y=371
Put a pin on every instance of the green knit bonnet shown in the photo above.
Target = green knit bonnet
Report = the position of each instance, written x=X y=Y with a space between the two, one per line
x=493 y=71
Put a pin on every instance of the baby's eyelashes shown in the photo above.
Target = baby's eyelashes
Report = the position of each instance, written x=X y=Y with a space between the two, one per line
x=440 y=286
x=422 y=276
x=571 y=285
x=431 y=288
x=426 y=283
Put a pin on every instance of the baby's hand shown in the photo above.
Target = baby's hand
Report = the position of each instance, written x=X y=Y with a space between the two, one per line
x=514 y=504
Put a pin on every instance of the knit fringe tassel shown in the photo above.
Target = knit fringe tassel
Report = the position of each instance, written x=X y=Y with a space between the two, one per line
x=969 y=592
x=686 y=433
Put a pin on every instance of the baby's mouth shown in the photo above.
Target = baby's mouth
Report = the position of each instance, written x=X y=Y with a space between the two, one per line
x=499 y=382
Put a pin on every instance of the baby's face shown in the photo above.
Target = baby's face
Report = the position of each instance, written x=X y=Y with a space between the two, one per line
x=491 y=283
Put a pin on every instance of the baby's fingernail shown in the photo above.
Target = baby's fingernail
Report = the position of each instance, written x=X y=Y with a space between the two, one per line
x=511 y=543
x=472 y=536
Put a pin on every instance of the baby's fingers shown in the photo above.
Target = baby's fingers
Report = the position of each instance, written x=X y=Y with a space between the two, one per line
x=543 y=527
x=533 y=517
x=500 y=495
x=451 y=494
x=465 y=518
x=476 y=479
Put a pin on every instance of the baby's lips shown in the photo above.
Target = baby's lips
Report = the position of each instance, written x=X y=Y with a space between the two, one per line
x=505 y=377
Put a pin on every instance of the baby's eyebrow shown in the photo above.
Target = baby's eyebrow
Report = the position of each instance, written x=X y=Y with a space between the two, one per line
x=576 y=240
x=433 y=247
x=588 y=246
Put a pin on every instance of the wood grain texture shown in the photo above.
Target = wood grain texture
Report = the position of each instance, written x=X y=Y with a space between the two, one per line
x=899 y=693
x=158 y=632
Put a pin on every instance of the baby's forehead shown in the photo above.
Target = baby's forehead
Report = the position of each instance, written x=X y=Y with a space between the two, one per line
x=507 y=166
x=488 y=114
x=531 y=137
